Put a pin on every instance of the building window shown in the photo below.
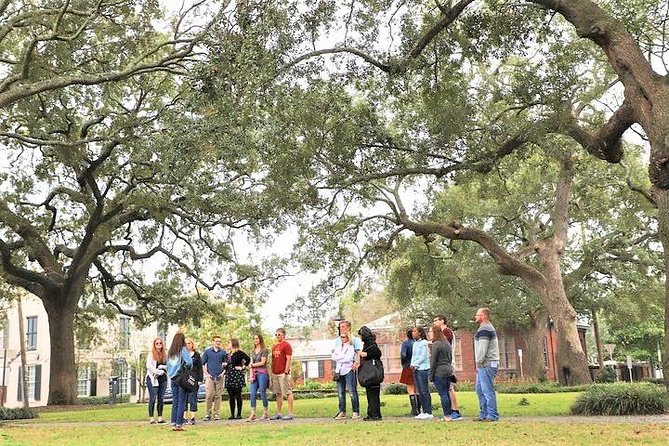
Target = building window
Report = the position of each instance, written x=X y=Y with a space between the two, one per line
x=457 y=352
x=4 y=333
x=123 y=377
x=31 y=332
x=508 y=352
x=124 y=333
x=34 y=375
x=84 y=381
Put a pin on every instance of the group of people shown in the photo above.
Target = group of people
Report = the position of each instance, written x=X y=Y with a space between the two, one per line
x=420 y=366
x=218 y=368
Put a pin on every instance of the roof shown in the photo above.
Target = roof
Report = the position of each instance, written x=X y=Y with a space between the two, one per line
x=314 y=348
x=386 y=322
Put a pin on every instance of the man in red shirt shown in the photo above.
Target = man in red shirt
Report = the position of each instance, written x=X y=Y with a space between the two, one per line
x=282 y=353
x=440 y=321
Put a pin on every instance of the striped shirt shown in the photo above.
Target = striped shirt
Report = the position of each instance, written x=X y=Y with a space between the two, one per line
x=486 y=347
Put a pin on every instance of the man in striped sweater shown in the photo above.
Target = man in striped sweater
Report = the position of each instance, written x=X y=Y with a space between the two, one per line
x=486 y=351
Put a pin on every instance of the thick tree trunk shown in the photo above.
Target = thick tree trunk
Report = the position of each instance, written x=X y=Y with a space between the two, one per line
x=572 y=365
x=535 y=367
x=661 y=197
x=63 y=370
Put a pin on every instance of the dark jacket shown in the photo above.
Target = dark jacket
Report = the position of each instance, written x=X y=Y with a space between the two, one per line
x=405 y=353
x=369 y=345
x=197 y=366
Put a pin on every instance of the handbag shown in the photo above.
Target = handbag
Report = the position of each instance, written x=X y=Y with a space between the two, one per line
x=186 y=378
x=370 y=372
x=336 y=376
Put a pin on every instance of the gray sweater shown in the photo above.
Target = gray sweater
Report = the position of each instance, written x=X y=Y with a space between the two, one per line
x=441 y=359
x=486 y=347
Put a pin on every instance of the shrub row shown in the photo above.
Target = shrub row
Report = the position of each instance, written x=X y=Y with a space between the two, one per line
x=21 y=413
x=622 y=399
x=96 y=400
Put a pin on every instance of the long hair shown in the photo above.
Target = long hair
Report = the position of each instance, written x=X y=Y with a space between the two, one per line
x=421 y=332
x=437 y=334
x=261 y=339
x=192 y=342
x=158 y=355
x=409 y=335
x=178 y=342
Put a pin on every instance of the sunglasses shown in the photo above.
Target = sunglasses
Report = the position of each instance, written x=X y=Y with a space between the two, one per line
x=278 y=334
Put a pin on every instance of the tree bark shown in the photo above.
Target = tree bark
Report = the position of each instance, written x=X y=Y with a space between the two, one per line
x=598 y=342
x=63 y=370
x=535 y=345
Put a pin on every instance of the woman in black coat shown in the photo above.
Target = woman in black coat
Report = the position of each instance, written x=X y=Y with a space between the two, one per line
x=370 y=351
x=234 y=378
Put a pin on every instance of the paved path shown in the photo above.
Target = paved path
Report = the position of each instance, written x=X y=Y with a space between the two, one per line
x=646 y=419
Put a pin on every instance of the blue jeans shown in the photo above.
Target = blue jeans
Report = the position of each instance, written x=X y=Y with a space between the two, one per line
x=260 y=384
x=156 y=394
x=443 y=385
x=420 y=378
x=178 y=403
x=485 y=378
x=191 y=401
x=348 y=382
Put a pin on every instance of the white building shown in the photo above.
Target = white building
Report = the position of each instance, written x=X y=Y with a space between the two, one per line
x=120 y=355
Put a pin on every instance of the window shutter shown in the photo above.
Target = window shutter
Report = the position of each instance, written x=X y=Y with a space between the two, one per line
x=19 y=388
x=94 y=380
x=133 y=381
x=321 y=369
x=38 y=382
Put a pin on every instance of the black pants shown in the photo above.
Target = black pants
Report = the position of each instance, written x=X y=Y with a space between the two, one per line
x=374 y=401
x=235 y=400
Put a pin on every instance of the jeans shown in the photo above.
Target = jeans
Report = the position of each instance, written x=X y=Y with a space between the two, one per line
x=260 y=385
x=420 y=378
x=178 y=403
x=443 y=385
x=485 y=378
x=156 y=394
x=191 y=401
x=348 y=382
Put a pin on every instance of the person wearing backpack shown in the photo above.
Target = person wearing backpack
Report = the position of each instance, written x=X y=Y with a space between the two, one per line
x=177 y=356
x=370 y=352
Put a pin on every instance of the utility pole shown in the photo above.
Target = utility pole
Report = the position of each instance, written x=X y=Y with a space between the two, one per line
x=22 y=340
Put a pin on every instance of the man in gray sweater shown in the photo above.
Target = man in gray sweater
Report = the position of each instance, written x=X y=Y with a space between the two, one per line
x=486 y=351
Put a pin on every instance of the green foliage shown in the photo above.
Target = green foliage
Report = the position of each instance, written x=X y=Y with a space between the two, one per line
x=608 y=375
x=97 y=400
x=395 y=389
x=523 y=402
x=622 y=399
x=21 y=413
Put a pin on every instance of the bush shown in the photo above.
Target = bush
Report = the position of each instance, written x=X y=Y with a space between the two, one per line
x=608 y=375
x=395 y=389
x=539 y=387
x=317 y=385
x=622 y=399
x=97 y=400
x=21 y=413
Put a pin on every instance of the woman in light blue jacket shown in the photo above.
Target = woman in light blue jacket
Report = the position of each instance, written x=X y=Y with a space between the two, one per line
x=177 y=355
x=420 y=364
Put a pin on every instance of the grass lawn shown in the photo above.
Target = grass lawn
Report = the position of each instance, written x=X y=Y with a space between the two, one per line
x=131 y=428
x=393 y=405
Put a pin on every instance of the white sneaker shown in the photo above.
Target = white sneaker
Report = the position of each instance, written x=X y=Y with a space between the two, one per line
x=428 y=416
x=420 y=416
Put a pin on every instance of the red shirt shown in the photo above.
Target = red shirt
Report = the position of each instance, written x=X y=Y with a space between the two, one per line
x=448 y=334
x=280 y=353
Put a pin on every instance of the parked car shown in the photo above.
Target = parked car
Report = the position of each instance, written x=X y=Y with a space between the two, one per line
x=201 y=393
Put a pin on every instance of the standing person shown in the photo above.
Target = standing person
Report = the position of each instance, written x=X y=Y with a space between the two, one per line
x=212 y=361
x=440 y=321
x=176 y=356
x=191 y=397
x=351 y=378
x=370 y=350
x=234 y=378
x=420 y=364
x=259 y=376
x=441 y=367
x=156 y=378
x=344 y=356
x=282 y=353
x=486 y=352
x=406 y=377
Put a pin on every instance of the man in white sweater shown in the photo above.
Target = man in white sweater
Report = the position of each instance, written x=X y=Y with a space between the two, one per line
x=486 y=352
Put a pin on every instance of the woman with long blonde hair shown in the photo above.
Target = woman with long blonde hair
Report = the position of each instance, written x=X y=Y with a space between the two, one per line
x=156 y=378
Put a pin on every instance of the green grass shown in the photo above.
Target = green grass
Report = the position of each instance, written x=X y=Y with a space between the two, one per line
x=393 y=405
x=393 y=432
